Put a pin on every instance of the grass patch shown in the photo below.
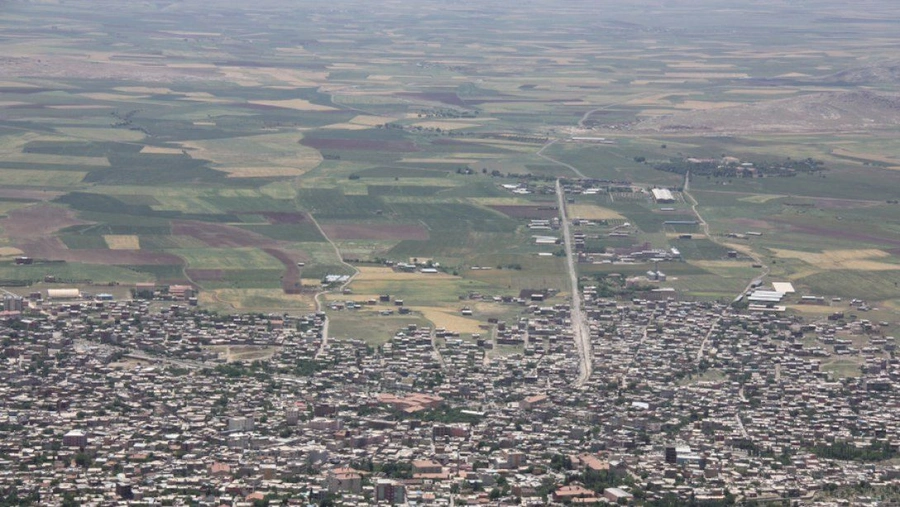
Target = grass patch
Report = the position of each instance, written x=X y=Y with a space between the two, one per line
x=227 y=258
x=370 y=327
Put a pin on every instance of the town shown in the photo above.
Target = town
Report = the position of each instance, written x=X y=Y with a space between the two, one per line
x=162 y=403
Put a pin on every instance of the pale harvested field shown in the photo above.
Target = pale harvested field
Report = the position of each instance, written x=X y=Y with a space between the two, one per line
x=722 y=264
x=257 y=299
x=659 y=99
x=359 y=298
x=161 y=151
x=279 y=153
x=645 y=82
x=79 y=106
x=296 y=78
x=144 y=89
x=371 y=121
x=445 y=125
x=191 y=66
x=37 y=178
x=440 y=160
x=346 y=126
x=657 y=112
x=185 y=204
x=699 y=105
x=841 y=259
x=205 y=100
x=122 y=241
x=374 y=274
x=8 y=251
x=592 y=212
x=12 y=103
x=361 y=122
x=107 y=134
x=128 y=364
x=379 y=77
x=700 y=66
x=448 y=319
x=115 y=97
x=841 y=152
x=760 y=91
x=205 y=123
x=707 y=75
x=193 y=34
x=299 y=50
x=88 y=163
x=297 y=104
x=243 y=352
x=16 y=84
x=500 y=201
x=458 y=157
x=261 y=172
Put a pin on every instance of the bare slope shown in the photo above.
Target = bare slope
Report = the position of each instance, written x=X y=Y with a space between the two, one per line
x=818 y=112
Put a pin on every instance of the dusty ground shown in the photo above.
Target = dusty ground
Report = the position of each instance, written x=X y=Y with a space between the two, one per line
x=38 y=220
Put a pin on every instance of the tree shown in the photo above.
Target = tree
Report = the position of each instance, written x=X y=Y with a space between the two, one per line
x=83 y=460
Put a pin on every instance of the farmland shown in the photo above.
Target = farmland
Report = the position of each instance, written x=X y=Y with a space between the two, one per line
x=136 y=148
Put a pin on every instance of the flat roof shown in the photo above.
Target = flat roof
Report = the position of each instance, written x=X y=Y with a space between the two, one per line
x=783 y=287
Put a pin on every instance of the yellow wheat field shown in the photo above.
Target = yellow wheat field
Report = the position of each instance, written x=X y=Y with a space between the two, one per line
x=298 y=104
x=122 y=241
x=8 y=251
x=374 y=274
x=159 y=150
x=445 y=318
x=841 y=259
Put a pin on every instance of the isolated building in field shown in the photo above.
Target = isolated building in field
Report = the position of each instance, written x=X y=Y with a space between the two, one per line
x=663 y=195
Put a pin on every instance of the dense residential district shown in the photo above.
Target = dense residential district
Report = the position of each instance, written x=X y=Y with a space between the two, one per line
x=647 y=400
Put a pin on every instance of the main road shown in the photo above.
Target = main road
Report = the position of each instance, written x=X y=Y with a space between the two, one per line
x=580 y=332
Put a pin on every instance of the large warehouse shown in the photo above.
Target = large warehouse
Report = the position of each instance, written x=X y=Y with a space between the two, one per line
x=663 y=195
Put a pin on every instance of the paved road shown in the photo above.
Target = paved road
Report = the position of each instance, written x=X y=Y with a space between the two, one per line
x=580 y=331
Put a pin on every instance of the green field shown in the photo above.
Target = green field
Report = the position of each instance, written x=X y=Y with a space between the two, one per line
x=211 y=151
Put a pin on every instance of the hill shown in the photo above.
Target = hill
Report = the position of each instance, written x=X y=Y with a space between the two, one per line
x=818 y=112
